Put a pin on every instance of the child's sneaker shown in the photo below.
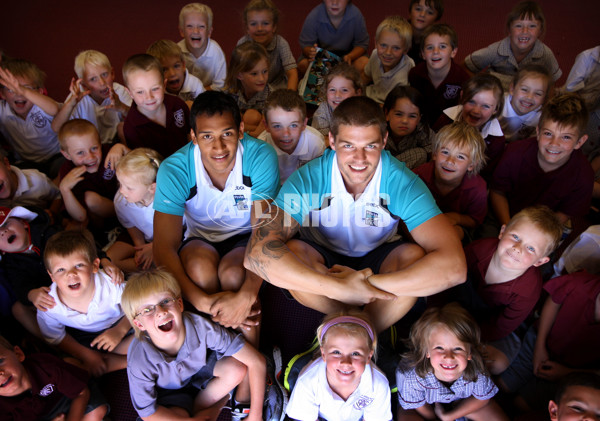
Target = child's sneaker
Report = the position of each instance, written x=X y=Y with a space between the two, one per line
x=240 y=411
x=279 y=375
x=273 y=409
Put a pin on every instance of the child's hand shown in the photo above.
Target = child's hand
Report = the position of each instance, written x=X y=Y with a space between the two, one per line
x=10 y=81
x=143 y=256
x=115 y=101
x=115 y=274
x=107 y=340
x=72 y=178
x=59 y=417
x=41 y=298
x=75 y=89
x=347 y=58
x=552 y=371
x=540 y=356
x=313 y=52
x=115 y=154
x=439 y=412
x=95 y=363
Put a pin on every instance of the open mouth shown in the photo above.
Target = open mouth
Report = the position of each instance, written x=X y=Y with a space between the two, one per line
x=20 y=104
x=446 y=169
x=449 y=367
x=166 y=326
x=196 y=39
x=75 y=286
x=105 y=92
x=11 y=238
x=6 y=382
x=174 y=82
x=358 y=168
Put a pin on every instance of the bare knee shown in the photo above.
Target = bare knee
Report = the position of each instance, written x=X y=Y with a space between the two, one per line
x=99 y=205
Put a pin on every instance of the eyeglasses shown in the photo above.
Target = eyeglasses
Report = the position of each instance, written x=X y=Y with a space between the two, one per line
x=150 y=310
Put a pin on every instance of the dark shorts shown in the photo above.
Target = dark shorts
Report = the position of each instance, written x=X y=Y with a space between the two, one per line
x=223 y=247
x=64 y=405
x=372 y=259
x=85 y=338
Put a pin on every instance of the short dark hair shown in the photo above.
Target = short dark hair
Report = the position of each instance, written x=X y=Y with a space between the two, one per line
x=65 y=243
x=286 y=99
x=399 y=92
x=359 y=111
x=214 y=102
x=437 y=5
x=440 y=29
x=578 y=378
x=537 y=69
x=566 y=110
x=527 y=9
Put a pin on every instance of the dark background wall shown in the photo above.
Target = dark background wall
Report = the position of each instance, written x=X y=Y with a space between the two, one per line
x=52 y=33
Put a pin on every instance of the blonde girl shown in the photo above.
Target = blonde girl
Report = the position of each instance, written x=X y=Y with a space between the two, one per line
x=136 y=173
x=343 y=383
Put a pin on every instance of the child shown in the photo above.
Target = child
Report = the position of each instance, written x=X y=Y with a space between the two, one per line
x=86 y=320
x=578 y=397
x=481 y=103
x=87 y=178
x=285 y=129
x=261 y=18
x=523 y=102
x=504 y=282
x=247 y=82
x=445 y=377
x=438 y=78
x=178 y=80
x=549 y=170
x=423 y=13
x=525 y=24
x=136 y=173
x=44 y=387
x=342 y=82
x=388 y=65
x=338 y=27
x=584 y=77
x=25 y=187
x=204 y=58
x=343 y=384
x=566 y=339
x=26 y=115
x=181 y=364
x=452 y=176
x=156 y=120
x=95 y=96
x=409 y=139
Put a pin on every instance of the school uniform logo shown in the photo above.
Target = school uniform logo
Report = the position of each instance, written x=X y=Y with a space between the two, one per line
x=240 y=202
x=362 y=402
x=179 y=118
x=109 y=173
x=47 y=390
x=38 y=120
x=451 y=91
x=371 y=218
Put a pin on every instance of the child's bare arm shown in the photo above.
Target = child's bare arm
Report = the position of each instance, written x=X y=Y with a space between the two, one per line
x=110 y=338
x=41 y=298
x=464 y=408
x=76 y=94
x=78 y=405
x=426 y=411
x=114 y=155
x=75 y=209
x=47 y=104
x=255 y=362
x=92 y=360
x=292 y=77
x=547 y=318
x=499 y=204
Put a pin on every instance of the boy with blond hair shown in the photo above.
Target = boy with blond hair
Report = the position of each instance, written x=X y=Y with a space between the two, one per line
x=95 y=96
x=26 y=115
x=388 y=65
x=286 y=130
x=178 y=80
x=549 y=170
x=504 y=281
x=180 y=363
x=156 y=121
x=42 y=386
x=86 y=321
x=438 y=78
x=453 y=177
x=204 y=58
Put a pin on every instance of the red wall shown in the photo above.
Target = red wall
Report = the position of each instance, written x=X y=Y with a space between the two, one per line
x=52 y=33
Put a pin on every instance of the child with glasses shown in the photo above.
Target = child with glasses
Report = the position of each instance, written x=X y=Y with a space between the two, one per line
x=181 y=364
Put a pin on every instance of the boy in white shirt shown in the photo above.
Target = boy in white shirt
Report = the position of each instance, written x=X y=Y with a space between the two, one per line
x=204 y=58
x=286 y=130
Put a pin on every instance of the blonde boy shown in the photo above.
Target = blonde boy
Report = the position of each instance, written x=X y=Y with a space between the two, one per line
x=181 y=364
x=87 y=179
x=286 y=130
x=26 y=115
x=87 y=302
x=523 y=102
x=452 y=175
x=204 y=58
x=549 y=170
x=156 y=121
x=95 y=96
x=388 y=65
x=178 y=80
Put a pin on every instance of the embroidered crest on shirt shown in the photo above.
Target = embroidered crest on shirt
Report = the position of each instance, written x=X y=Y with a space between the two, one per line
x=371 y=218
x=179 y=118
x=109 y=173
x=38 y=119
x=362 y=402
x=47 y=390
x=451 y=91
x=240 y=202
